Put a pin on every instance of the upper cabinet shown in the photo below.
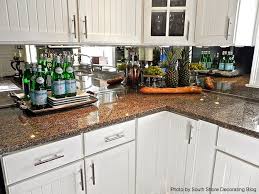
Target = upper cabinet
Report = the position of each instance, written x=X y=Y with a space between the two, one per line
x=215 y=22
x=110 y=21
x=59 y=21
x=169 y=22
x=38 y=21
x=226 y=22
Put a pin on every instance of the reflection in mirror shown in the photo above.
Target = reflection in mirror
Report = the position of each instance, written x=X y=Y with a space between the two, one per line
x=158 y=24
x=159 y=3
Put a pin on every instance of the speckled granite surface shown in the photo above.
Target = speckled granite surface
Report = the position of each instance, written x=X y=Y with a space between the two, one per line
x=18 y=131
x=236 y=86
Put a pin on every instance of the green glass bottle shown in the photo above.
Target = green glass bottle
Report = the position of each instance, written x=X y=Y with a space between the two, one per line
x=33 y=83
x=58 y=81
x=41 y=59
x=203 y=59
x=209 y=60
x=70 y=78
x=26 y=80
x=222 y=61
x=48 y=71
x=40 y=92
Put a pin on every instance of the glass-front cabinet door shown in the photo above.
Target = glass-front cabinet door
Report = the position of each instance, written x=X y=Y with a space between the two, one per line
x=169 y=22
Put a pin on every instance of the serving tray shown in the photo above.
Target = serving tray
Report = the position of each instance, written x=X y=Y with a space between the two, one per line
x=28 y=108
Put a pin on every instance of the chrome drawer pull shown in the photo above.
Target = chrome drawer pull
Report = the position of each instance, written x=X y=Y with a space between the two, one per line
x=114 y=137
x=55 y=157
x=85 y=22
x=93 y=173
x=82 y=179
x=74 y=25
x=227 y=28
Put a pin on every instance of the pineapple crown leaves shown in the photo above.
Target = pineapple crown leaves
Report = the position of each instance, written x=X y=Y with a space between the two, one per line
x=171 y=57
x=185 y=60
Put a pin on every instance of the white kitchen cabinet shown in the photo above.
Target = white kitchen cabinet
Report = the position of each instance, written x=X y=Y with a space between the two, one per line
x=38 y=21
x=169 y=22
x=215 y=22
x=65 y=180
x=112 y=171
x=165 y=153
x=232 y=172
x=110 y=21
x=205 y=155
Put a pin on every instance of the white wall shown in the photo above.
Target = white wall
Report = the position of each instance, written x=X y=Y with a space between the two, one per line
x=108 y=52
x=254 y=77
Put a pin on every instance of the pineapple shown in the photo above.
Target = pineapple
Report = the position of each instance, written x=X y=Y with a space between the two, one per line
x=171 y=77
x=184 y=70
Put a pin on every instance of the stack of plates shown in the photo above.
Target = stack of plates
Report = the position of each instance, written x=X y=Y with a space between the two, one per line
x=52 y=101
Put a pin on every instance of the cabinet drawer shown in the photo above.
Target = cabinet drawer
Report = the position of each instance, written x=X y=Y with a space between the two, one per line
x=239 y=145
x=108 y=137
x=24 y=164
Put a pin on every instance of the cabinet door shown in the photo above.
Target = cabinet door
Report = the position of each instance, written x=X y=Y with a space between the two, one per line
x=230 y=172
x=110 y=21
x=215 y=22
x=169 y=22
x=38 y=21
x=205 y=155
x=112 y=171
x=66 y=180
x=165 y=153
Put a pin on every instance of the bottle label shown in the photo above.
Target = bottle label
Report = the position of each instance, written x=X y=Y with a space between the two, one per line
x=204 y=65
x=71 y=86
x=229 y=66
x=209 y=65
x=221 y=66
x=32 y=95
x=40 y=80
x=59 y=70
x=40 y=97
x=59 y=87
x=70 y=70
x=48 y=81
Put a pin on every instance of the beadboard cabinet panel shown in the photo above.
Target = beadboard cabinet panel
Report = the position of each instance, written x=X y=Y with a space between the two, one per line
x=205 y=155
x=215 y=22
x=165 y=153
x=66 y=180
x=112 y=171
x=37 y=21
x=110 y=21
x=231 y=172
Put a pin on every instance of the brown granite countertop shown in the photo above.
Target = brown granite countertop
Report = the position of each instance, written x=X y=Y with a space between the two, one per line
x=236 y=86
x=19 y=131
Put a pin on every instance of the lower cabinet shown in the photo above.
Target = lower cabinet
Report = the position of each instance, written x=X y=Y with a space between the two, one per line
x=231 y=172
x=165 y=153
x=66 y=180
x=112 y=171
